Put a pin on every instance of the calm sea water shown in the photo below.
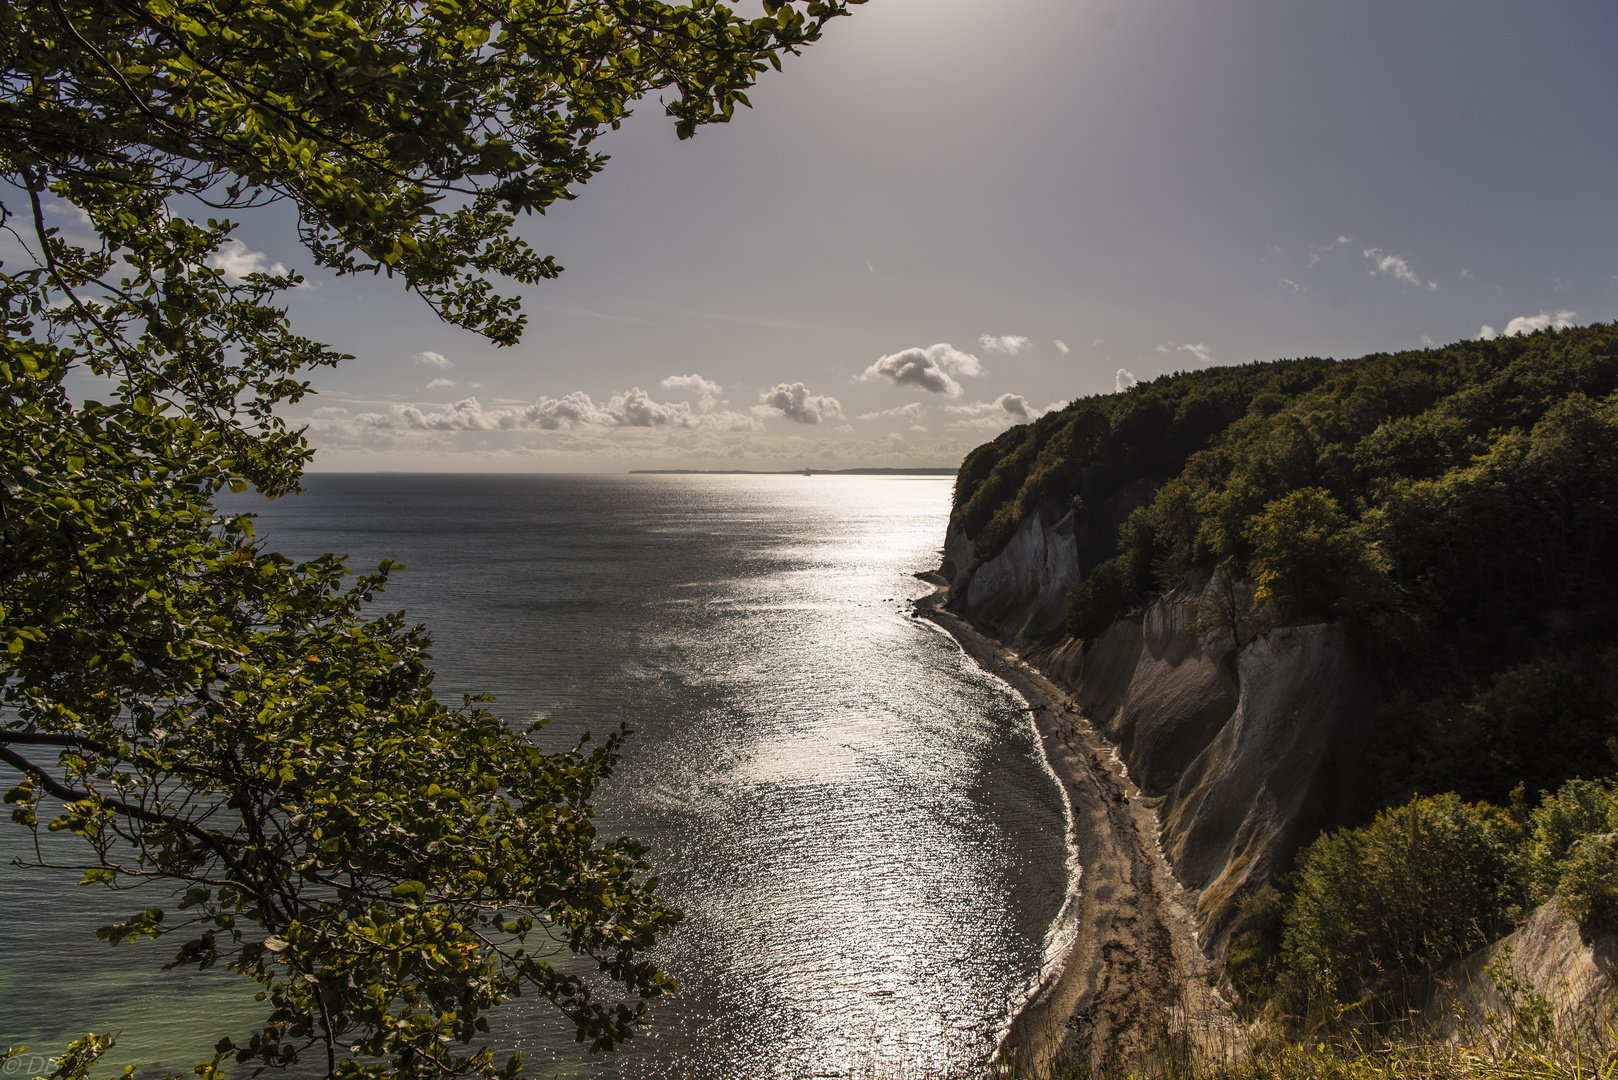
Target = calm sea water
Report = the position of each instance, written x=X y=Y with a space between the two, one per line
x=855 y=818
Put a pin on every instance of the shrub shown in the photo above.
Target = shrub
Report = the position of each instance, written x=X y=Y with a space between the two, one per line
x=1572 y=851
x=1419 y=886
x=1588 y=884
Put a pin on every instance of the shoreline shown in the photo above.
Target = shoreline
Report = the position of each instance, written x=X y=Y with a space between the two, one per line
x=1132 y=963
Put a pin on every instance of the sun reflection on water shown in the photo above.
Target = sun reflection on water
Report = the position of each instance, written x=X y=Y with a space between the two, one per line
x=854 y=817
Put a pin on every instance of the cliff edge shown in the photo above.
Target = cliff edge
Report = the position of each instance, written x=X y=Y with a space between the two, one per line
x=1245 y=751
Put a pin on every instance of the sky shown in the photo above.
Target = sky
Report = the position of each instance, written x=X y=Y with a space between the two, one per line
x=950 y=216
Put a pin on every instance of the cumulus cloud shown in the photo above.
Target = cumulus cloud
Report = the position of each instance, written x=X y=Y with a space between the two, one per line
x=694 y=383
x=432 y=359
x=912 y=412
x=1124 y=380
x=1010 y=344
x=439 y=384
x=796 y=403
x=1061 y=346
x=931 y=369
x=237 y=260
x=634 y=409
x=1396 y=267
x=1545 y=320
x=1487 y=333
x=1003 y=411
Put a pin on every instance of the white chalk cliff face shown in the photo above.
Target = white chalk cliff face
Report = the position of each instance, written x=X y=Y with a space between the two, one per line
x=1251 y=751
x=1022 y=591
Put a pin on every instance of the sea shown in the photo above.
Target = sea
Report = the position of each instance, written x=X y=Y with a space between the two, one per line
x=858 y=822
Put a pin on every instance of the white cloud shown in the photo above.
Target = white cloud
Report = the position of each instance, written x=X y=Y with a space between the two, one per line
x=432 y=359
x=330 y=412
x=1010 y=344
x=1427 y=342
x=1202 y=352
x=796 y=403
x=1395 y=266
x=348 y=444
x=1545 y=320
x=1061 y=346
x=1003 y=411
x=1124 y=380
x=634 y=409
x=1098 y=343
x=694 y=383
x=1465 y=275
x=439 y=384
x=1317 y=250
x=237 y=260
x=912 y=412
x=929 y=369
x=1292 y=286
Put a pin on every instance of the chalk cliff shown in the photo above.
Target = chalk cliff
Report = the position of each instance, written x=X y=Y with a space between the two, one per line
x=1571 y=966
x=1022 y=591
x=1245 y=752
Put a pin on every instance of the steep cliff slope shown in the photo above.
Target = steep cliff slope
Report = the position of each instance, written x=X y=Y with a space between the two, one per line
x=1245 y=753
x=1290 y=593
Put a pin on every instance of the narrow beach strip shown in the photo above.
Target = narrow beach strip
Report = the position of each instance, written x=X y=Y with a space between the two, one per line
x=1133 y=964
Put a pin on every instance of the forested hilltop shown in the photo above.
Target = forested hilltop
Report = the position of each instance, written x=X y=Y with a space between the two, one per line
x=1458 y=507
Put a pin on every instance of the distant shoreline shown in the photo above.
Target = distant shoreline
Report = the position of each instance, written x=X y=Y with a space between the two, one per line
x=793 y=472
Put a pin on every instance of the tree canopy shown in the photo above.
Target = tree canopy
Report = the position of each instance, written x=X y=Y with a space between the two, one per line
x=198 y=709
x=1454 y=507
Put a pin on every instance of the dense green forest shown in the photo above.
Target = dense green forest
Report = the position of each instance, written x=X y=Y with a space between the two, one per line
x=1457 y=509
x=1457 y=506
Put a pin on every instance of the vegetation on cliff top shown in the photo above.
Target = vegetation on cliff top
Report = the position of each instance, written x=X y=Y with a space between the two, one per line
x=1457 y=506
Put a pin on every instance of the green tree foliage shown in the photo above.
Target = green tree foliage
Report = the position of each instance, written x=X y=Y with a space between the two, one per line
x=406 y=135
x=1419 y=886
x=1573 y=849
x=1535 y=723
x=202 y=713
x=1457 y=506
x=1096 y=446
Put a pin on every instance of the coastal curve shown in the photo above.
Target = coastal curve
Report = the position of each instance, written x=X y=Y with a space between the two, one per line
x=1131 y=967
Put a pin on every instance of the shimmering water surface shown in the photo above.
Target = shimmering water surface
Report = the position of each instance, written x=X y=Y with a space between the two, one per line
x=856 y=819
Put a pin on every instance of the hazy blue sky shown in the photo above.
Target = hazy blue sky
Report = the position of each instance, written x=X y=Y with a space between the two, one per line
x=951 y=214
